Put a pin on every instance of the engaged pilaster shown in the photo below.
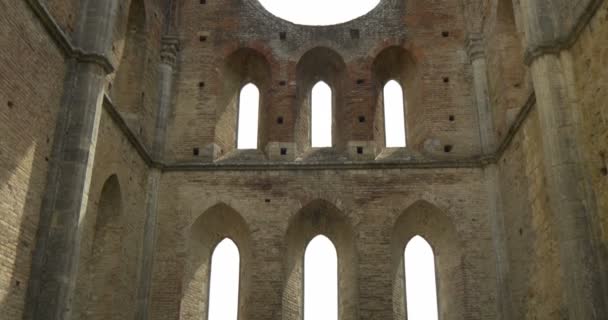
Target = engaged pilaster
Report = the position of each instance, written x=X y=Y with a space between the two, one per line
x=476 y=52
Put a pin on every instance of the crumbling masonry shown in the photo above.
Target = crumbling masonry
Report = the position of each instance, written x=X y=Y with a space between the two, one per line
x=119 y=171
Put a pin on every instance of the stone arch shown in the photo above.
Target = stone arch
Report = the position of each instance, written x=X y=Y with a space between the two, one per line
x=209 y=229
x=320 y=64
x=397 y=63
x=105 y=284
x=320 y=217
x=428 y=221
x=127 y=90
x=243 y=66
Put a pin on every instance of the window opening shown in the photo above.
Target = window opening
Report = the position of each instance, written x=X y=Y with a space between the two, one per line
x=319 y=12
x=320 y=280
x=249 y=104
x=394 y=115
x=224 y=282
x=321 y=115
x=421 y=289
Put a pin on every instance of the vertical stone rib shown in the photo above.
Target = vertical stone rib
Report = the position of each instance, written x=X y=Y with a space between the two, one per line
x=475 y=48
x=165 y=89
x=55 y=261
x=579 y=266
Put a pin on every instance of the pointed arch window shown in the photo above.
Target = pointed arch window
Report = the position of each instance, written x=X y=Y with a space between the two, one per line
x=321 y=115
x=421 y=289
x=224 y=282
x=394 y=115
x=249 y=105
x=320 y=280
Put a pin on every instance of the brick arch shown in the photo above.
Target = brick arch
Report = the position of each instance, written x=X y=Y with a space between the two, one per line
x=320 y=217
x=243 y=66
x=397 y=63
x=208 y=230
x=105 y=283
x=321 y=64
x=428 y=221
x=131 y=47
x=508 y=82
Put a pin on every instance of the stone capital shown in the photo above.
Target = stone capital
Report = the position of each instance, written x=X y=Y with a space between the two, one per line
x=169 y=49
x=475 y=45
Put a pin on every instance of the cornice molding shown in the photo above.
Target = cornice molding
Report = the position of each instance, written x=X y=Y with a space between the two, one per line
x=64 y=43
x=565 y=41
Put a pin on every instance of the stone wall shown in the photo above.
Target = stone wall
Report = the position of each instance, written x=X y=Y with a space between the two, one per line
x=32 y=70
x=500 y=255
x=590 y=55
x=110 y=242
x=533 y=261
x=369 y=201
x=432 y=33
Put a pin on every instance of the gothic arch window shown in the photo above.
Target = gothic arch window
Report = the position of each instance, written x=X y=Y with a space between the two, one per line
x=320 y=280
x=420 y=283
x=224 y=282
x=394 y=115
x=249 y=105
x=321 y=115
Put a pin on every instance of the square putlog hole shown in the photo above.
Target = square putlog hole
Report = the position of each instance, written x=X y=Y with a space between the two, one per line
x=283 y=151
x=448 y=148
x=361 y=119
x=355 y=34
x=359 y=150
x=280 y=120
x=283 y=35
x=196 y=151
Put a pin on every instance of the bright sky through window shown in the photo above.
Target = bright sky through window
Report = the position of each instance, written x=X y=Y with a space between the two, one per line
x=321 y=116
x=320 y=280
x=421 y=291
x=319 y=12
x=249 y=103
x=224 y=282
x=394 y=119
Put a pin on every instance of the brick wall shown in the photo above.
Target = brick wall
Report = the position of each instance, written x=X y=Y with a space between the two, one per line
x=419 y=28
x=369 y=200
x=32 y=70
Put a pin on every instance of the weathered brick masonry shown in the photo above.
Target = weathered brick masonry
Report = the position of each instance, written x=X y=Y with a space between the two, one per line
x=119 y=171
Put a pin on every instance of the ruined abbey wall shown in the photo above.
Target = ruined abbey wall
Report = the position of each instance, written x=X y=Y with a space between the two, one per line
x=119 y=171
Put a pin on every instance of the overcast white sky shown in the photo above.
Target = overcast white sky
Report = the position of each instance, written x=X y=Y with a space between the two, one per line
x=319 y=12
x=321 y=277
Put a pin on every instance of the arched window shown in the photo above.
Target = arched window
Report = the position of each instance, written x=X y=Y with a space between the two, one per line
x=249 y=104
x=394 y=115
x=320 y=280
x=224 y=282
x=321 y=115
x=421 y=290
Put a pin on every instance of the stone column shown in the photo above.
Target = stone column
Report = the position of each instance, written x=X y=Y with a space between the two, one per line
x=55 y=260
x=580 y=268
x=475 y=49
x=165 y=90
x=571 y=201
